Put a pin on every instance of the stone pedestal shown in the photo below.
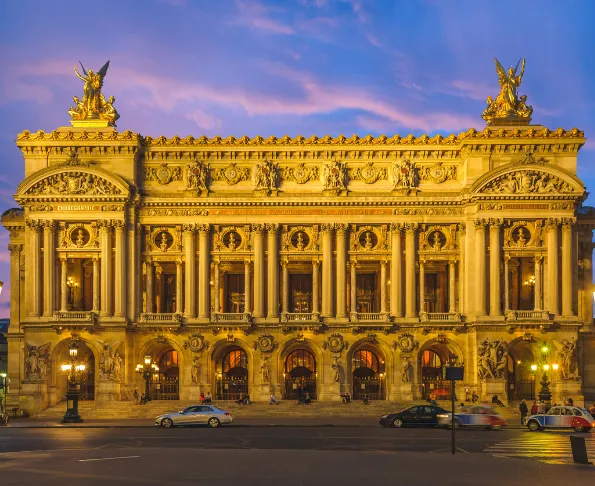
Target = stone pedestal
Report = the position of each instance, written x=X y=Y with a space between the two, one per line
x=264 y=393
x=406 y=392
x=489 y=388
x=330 y=392
x=563 y=390
x=34 y=397
x=107 y=391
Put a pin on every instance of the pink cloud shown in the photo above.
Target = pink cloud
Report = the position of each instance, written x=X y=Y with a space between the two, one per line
x=256 y=15
x=204 y=120
x=372 y=39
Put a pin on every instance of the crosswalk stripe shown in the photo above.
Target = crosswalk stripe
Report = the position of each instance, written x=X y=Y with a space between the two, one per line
x=542 y=447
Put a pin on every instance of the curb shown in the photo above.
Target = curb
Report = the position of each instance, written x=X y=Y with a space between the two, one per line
x=324 y=425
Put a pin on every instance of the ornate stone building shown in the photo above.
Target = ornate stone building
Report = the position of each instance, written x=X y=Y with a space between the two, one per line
x=334 y=265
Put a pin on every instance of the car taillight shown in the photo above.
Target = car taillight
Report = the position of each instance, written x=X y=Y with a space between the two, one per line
x=227 y=413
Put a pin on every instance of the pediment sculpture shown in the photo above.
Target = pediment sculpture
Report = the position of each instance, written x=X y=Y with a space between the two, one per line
x=526 y=182
x=73 y=183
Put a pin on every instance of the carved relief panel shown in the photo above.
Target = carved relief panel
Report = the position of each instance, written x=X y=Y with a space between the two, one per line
x=231 y=238
x=368 y=238
x=299 y=238
x=164 y=239
x=79 y=235
x=438 y=238
x=523 y=234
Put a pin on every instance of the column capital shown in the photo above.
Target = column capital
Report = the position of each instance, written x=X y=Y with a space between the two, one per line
x=495 y=223
x=247 y=262
x=396 y=228
x=568 y=223
x=552 y=223
x=258 y=228
x=284 y=263
x=119 y=224
x=48 y=224
x=383 y=263
x=15 y=249
x=481 y=223
x=189 y=228
x=104 y=223
x=326 y=228
x=34 y=224
x=410 y=228
x=63 y=260
x=341 y=227
x=202 y=228
x=316 y=263
x=179 y=263
x=272 y=228
x=538 y=258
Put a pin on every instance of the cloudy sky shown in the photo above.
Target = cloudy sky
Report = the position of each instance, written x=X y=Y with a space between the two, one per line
x=276 y=67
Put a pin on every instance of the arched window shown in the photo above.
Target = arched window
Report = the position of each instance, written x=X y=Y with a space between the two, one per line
x=300 y=358
x=235 y=363
x=363 y=358
x=168 y=360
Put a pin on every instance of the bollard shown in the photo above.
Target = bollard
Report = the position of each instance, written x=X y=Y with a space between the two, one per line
x=579 y=449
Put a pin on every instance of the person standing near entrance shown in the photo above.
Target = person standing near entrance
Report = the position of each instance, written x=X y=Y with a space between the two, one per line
x=524 y=411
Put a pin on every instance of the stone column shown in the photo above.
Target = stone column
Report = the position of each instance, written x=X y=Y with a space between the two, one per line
x=15 y=285
x=273 y=273
x=216 y=283
x=150 y=293
x=189 y=231
x=63 y=284
x=133 y=271
x=495 y=305
x=106 y=267
x=285 y=303
x=353 y=286
x=49 y=262
x=567 y=283
x=33 y=266
x=120 y=281
x=506 y=286
x=452 y=301
x=552 y=262
x=179 y=297
x=396 y=272
x=327 y=270
x=315 y=286
x=204 y=272
x=410 y=287
x=258 y=230
x=383 y=287
x=247 y=287
x=538 y=260
x=480 y=267
x=95 y=284
x=462 y=263
x=341 y=231
x=422 y=286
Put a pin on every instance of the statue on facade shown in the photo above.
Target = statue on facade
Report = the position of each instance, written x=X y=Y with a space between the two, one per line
x=333 y=176
x=37 y=361
x=265 y=177
x=492 y=359
x=196 y=177
x=94 y=105
x=265 y=369
x=568 y=359
x=406 y=372
x=404 y=176
x=110 y=362
x=336 y=369
x=508 y=106
x=194 y=372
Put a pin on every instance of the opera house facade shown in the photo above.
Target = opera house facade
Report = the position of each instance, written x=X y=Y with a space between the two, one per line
x=257 y=265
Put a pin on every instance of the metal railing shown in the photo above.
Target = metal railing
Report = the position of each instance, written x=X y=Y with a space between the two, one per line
x=161 y=317
x=512 y=315
x=81 y=316
x=369 y=316
x=439 y=316
x=230 y=317
x=300 y=316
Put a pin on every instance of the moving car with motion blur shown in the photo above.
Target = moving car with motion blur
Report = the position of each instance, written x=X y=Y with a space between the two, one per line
x=473 y=416
x=562 y=418
x=418 y=415
x=195 y=415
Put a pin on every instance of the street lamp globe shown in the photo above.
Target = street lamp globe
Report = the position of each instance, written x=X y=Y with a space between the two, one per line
x=533 y=367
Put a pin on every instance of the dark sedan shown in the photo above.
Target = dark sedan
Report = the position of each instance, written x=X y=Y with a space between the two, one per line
x=418 y=415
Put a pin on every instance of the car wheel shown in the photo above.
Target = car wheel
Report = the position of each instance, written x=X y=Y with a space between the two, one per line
x=214 y=422
x=534 y=426
x=167 y=423
x=398 y=423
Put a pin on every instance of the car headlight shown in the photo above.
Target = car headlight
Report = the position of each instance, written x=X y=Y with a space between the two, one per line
x=384 y=416
x=442 y=415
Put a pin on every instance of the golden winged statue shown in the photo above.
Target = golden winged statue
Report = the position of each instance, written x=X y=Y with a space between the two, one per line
x=93 y=106
x=508 y=108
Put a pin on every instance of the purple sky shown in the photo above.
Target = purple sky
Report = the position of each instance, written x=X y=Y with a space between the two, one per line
x=184 y=67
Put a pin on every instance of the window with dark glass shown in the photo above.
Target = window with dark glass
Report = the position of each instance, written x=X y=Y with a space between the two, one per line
x=235 y=293
x=366 y=292
x=301 y=292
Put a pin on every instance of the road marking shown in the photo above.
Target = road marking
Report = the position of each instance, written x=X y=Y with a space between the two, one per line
x=108 y=458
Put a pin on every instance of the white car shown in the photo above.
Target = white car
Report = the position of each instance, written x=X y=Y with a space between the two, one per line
x=195 y=415
x=562 y=417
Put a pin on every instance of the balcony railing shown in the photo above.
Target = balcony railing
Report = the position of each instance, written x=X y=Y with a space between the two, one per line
x=369 y=316
x=231 y=317
x=161 y=317
x=300 y=316
x=514 y=315
x=439 y=316
x=76 y=316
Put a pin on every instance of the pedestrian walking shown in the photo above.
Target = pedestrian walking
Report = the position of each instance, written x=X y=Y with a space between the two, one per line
x=135 y=395
x=534 y=408
x=524 y=411
x=541 y=407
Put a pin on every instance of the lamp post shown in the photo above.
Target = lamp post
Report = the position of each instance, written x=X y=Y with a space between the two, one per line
x=3 y=400
x=147 y=370
x=72 y=369
x=545 y=394
x=72 y=285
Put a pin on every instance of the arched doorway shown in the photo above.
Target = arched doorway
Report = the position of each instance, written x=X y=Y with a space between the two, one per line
x=433 y=360
x=367 y=375
x=519 y=377
x=300 y=374
x=232 y=374
x=165 y=385
x=86 y=380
